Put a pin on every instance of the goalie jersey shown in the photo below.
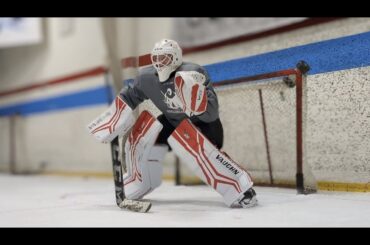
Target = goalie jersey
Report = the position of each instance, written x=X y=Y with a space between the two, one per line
x=147 y=86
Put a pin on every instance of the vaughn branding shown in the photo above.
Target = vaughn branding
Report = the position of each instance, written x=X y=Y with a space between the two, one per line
x=227 y=164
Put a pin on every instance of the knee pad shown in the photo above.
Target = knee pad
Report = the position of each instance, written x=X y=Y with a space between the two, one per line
x=143 y=158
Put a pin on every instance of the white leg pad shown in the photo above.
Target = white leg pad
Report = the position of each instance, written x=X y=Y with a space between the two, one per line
x=211 y=165
x=155 y=164
x=143 y=159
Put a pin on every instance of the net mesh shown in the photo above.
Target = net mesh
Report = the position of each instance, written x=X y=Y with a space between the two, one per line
x=259 y=124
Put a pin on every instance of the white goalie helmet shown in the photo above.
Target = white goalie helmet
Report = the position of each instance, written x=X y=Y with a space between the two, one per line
x=166 y=57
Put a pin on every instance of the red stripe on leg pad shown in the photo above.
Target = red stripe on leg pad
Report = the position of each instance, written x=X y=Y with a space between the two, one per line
x=138 y=142
x=188 y=133
x=140 y=125
x=196 y=158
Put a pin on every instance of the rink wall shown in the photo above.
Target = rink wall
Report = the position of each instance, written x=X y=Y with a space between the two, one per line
x=51 y=86
x=46 y=124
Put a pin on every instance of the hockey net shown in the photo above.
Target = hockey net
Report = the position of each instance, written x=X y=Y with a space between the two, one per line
x=264 y=120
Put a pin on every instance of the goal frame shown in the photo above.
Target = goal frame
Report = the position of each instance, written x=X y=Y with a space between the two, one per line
x=293 y=77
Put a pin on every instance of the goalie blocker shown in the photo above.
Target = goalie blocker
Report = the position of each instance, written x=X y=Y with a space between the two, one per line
x=117 y=120
x=213 y=166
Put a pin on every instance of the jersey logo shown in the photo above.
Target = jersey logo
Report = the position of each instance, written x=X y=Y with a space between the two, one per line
x=171 y=100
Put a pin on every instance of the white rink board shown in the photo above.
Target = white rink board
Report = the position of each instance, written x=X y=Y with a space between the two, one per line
x=338 y=125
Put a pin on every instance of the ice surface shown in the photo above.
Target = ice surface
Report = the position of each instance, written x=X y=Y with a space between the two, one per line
x=48 y=201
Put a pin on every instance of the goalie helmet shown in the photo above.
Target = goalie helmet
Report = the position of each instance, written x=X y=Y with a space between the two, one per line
x=166 y=57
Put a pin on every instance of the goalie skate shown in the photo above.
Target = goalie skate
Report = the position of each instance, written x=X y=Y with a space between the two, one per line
x=248 y=200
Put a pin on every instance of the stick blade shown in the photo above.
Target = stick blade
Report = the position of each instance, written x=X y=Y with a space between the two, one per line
x=135 y=206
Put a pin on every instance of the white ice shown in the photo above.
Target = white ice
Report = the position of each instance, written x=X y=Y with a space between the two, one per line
x=45 y=201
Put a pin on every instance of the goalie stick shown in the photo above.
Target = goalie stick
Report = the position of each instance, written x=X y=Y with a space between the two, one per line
x=122 y=202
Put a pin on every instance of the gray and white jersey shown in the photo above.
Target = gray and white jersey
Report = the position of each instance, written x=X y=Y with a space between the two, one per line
x=148 y=86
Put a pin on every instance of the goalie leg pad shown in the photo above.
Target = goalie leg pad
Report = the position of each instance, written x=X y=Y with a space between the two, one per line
x=154 y=162
x=143 y=159
x=210 y=164
x=117 y=120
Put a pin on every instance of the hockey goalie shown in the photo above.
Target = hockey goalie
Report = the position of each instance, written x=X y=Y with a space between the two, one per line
x=189 y=126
